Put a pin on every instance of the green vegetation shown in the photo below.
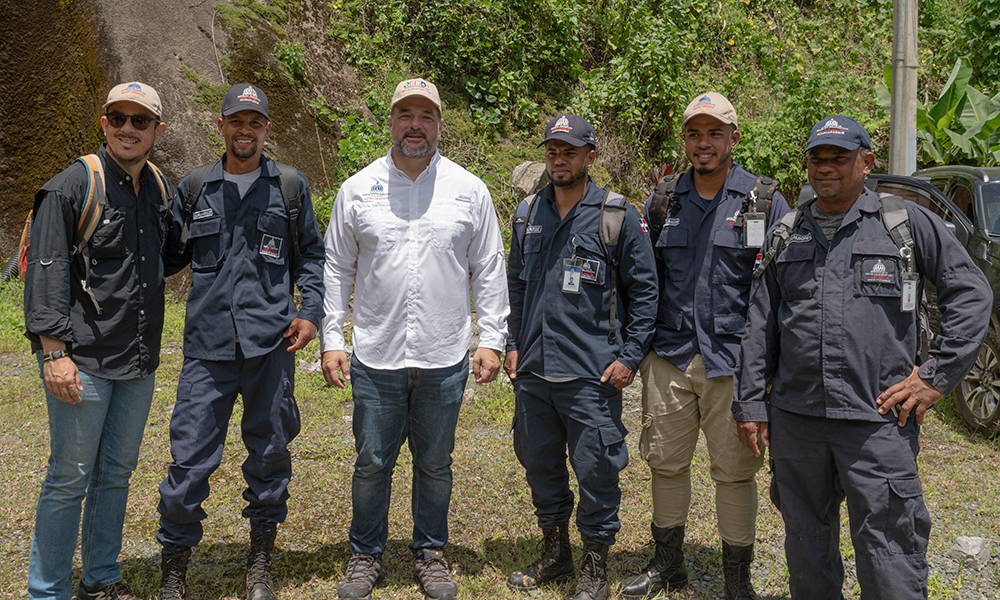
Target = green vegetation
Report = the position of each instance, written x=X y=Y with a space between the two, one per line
x=961 y=127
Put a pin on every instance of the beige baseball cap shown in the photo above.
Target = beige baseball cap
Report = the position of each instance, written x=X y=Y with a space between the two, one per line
x=712 y=104
x=416 y=87
x=140 y=93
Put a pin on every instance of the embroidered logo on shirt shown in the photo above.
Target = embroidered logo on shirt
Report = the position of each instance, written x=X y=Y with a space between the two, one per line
x=800 y=238
x=377 y=192
x=202 y=214
x=672 y=222
x=589 y=270
x=270 y=246
x=533 y=229
x=876 y=270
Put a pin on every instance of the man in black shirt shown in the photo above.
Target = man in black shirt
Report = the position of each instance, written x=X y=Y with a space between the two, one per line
x=94 y=318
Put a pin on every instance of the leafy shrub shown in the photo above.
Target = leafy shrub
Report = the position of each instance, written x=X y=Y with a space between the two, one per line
x=293 y=57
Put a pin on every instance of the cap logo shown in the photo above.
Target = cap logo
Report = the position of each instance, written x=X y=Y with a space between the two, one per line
x=703 y=102
x=832 y=126
x=249 y=95
x=562 y=125
x=134 y=88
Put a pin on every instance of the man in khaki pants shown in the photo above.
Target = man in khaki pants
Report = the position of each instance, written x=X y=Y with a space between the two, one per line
x=706 y=236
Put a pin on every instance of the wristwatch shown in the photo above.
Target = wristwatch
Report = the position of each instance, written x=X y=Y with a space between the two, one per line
x=54 y=355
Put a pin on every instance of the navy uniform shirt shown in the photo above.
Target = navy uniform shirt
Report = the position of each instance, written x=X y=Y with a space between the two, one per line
x=126 y=273
x=706 y=273
x=825 y=327
x=559 y=334
x=242 y=265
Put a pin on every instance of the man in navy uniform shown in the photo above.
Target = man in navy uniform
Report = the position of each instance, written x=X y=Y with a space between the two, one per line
x=827 y=376
x=240 y=336
x=569 y=356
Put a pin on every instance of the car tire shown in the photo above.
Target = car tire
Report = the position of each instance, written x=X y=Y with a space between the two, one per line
x=10 y=269
x=978 y=395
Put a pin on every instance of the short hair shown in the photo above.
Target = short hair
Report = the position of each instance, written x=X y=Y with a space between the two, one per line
x=863 y=152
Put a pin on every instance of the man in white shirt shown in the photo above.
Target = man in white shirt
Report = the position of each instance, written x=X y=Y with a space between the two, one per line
x=407 y=231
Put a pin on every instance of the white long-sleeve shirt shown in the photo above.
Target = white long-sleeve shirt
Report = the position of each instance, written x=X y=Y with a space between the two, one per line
x=413 y=249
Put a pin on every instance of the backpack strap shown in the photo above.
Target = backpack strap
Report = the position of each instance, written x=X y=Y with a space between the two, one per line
x=520 y=221
x=664 y=201
x=779 y=239
x=611 y=221
x=761 y=197
x=160 y=178
x=289 y=182
x=896 y=221
x=90 y=216
x=192 y=190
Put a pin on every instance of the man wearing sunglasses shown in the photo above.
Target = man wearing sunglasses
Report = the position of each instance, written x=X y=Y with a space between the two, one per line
x=241 y=334
x=98 y=349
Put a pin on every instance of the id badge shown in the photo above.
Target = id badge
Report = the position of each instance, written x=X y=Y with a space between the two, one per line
x=753 y=230
x=572 y=272
x=908 y=299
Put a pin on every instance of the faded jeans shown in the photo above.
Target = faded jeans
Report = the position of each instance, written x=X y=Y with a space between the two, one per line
x=390 y=407
x=94 y=449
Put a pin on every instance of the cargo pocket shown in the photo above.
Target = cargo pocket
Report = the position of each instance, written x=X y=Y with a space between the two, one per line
x=615 y=451
x=876 y=268
x=272 y=238
x=205 y=238
x=908 y=524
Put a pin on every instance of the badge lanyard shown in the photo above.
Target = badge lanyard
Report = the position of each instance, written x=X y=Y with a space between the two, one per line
x=572 y=271
x=908 y=297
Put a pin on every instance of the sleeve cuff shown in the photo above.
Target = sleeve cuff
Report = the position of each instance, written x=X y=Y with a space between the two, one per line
x=750 y=412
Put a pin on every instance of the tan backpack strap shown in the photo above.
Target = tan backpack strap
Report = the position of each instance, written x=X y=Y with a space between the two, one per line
x=158 y=175
x=93 y=203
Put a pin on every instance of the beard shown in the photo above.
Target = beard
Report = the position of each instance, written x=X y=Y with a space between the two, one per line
x=572 y=179
x=709 y=170
x=129 y=162
x=243 y=154
x=422 y=151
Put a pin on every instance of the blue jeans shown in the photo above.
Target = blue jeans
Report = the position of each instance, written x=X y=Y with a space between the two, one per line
x=390 y=407
x=94 y=449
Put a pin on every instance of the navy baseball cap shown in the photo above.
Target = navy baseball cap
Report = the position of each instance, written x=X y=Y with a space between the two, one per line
x=840 y=131
x=571 y=129
x=244 y=96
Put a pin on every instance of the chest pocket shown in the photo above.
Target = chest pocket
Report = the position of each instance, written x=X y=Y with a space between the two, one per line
x=205 y=238
x=733 y=262
x=272 y=237
x=877 y=268
x=675 y=252
x=591 y=252
x=796 y=270
x=108 y=239
x=532 y=255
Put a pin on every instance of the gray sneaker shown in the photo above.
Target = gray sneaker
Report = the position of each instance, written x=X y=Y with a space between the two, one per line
x=115 y=591
x=364 y=571
x=433 y=576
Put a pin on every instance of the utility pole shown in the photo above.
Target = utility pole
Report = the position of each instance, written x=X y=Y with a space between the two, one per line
x=903 y=117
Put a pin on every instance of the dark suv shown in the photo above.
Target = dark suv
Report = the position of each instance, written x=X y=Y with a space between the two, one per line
x=968 y=200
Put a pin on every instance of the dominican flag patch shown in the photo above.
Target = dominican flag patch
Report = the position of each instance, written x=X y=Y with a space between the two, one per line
x=644 y=225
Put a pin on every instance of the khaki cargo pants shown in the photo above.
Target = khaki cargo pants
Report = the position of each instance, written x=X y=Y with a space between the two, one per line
x=675 y=406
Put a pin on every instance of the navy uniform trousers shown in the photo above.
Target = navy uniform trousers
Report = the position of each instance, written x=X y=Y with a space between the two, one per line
x=206 y=395
x=818 y=462
x=582 y=416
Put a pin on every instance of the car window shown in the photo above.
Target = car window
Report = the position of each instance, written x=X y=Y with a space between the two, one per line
x=991 y=204
x=917 y=195
x=961 y=195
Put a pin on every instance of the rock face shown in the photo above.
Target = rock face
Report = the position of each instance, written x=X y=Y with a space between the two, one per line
x=58 y=58
x=529 y=177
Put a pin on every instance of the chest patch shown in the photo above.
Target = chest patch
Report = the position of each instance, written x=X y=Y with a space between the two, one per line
x=533 y=229
x=202 y=214
x=877 y=270
x=671 y=222
x=590 y=270
x=800 y=238
x=270 y=246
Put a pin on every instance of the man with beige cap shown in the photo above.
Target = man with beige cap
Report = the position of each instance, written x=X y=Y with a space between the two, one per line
x=94 y=312
x=708 y=225
x=411 y=233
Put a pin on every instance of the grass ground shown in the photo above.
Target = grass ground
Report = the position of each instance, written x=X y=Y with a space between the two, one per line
x=492 y=527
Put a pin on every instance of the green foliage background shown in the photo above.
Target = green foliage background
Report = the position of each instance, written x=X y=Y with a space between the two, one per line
x=631 y=66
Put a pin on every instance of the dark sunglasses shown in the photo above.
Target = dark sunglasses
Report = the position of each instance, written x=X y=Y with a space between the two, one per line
x=140 y=122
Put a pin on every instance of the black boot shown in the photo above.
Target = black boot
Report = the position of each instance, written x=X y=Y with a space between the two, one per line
x=173 y=572
x=666 y=571
x=259 y=585
x=555 y=565
x=736 y=569
x=593 y=580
